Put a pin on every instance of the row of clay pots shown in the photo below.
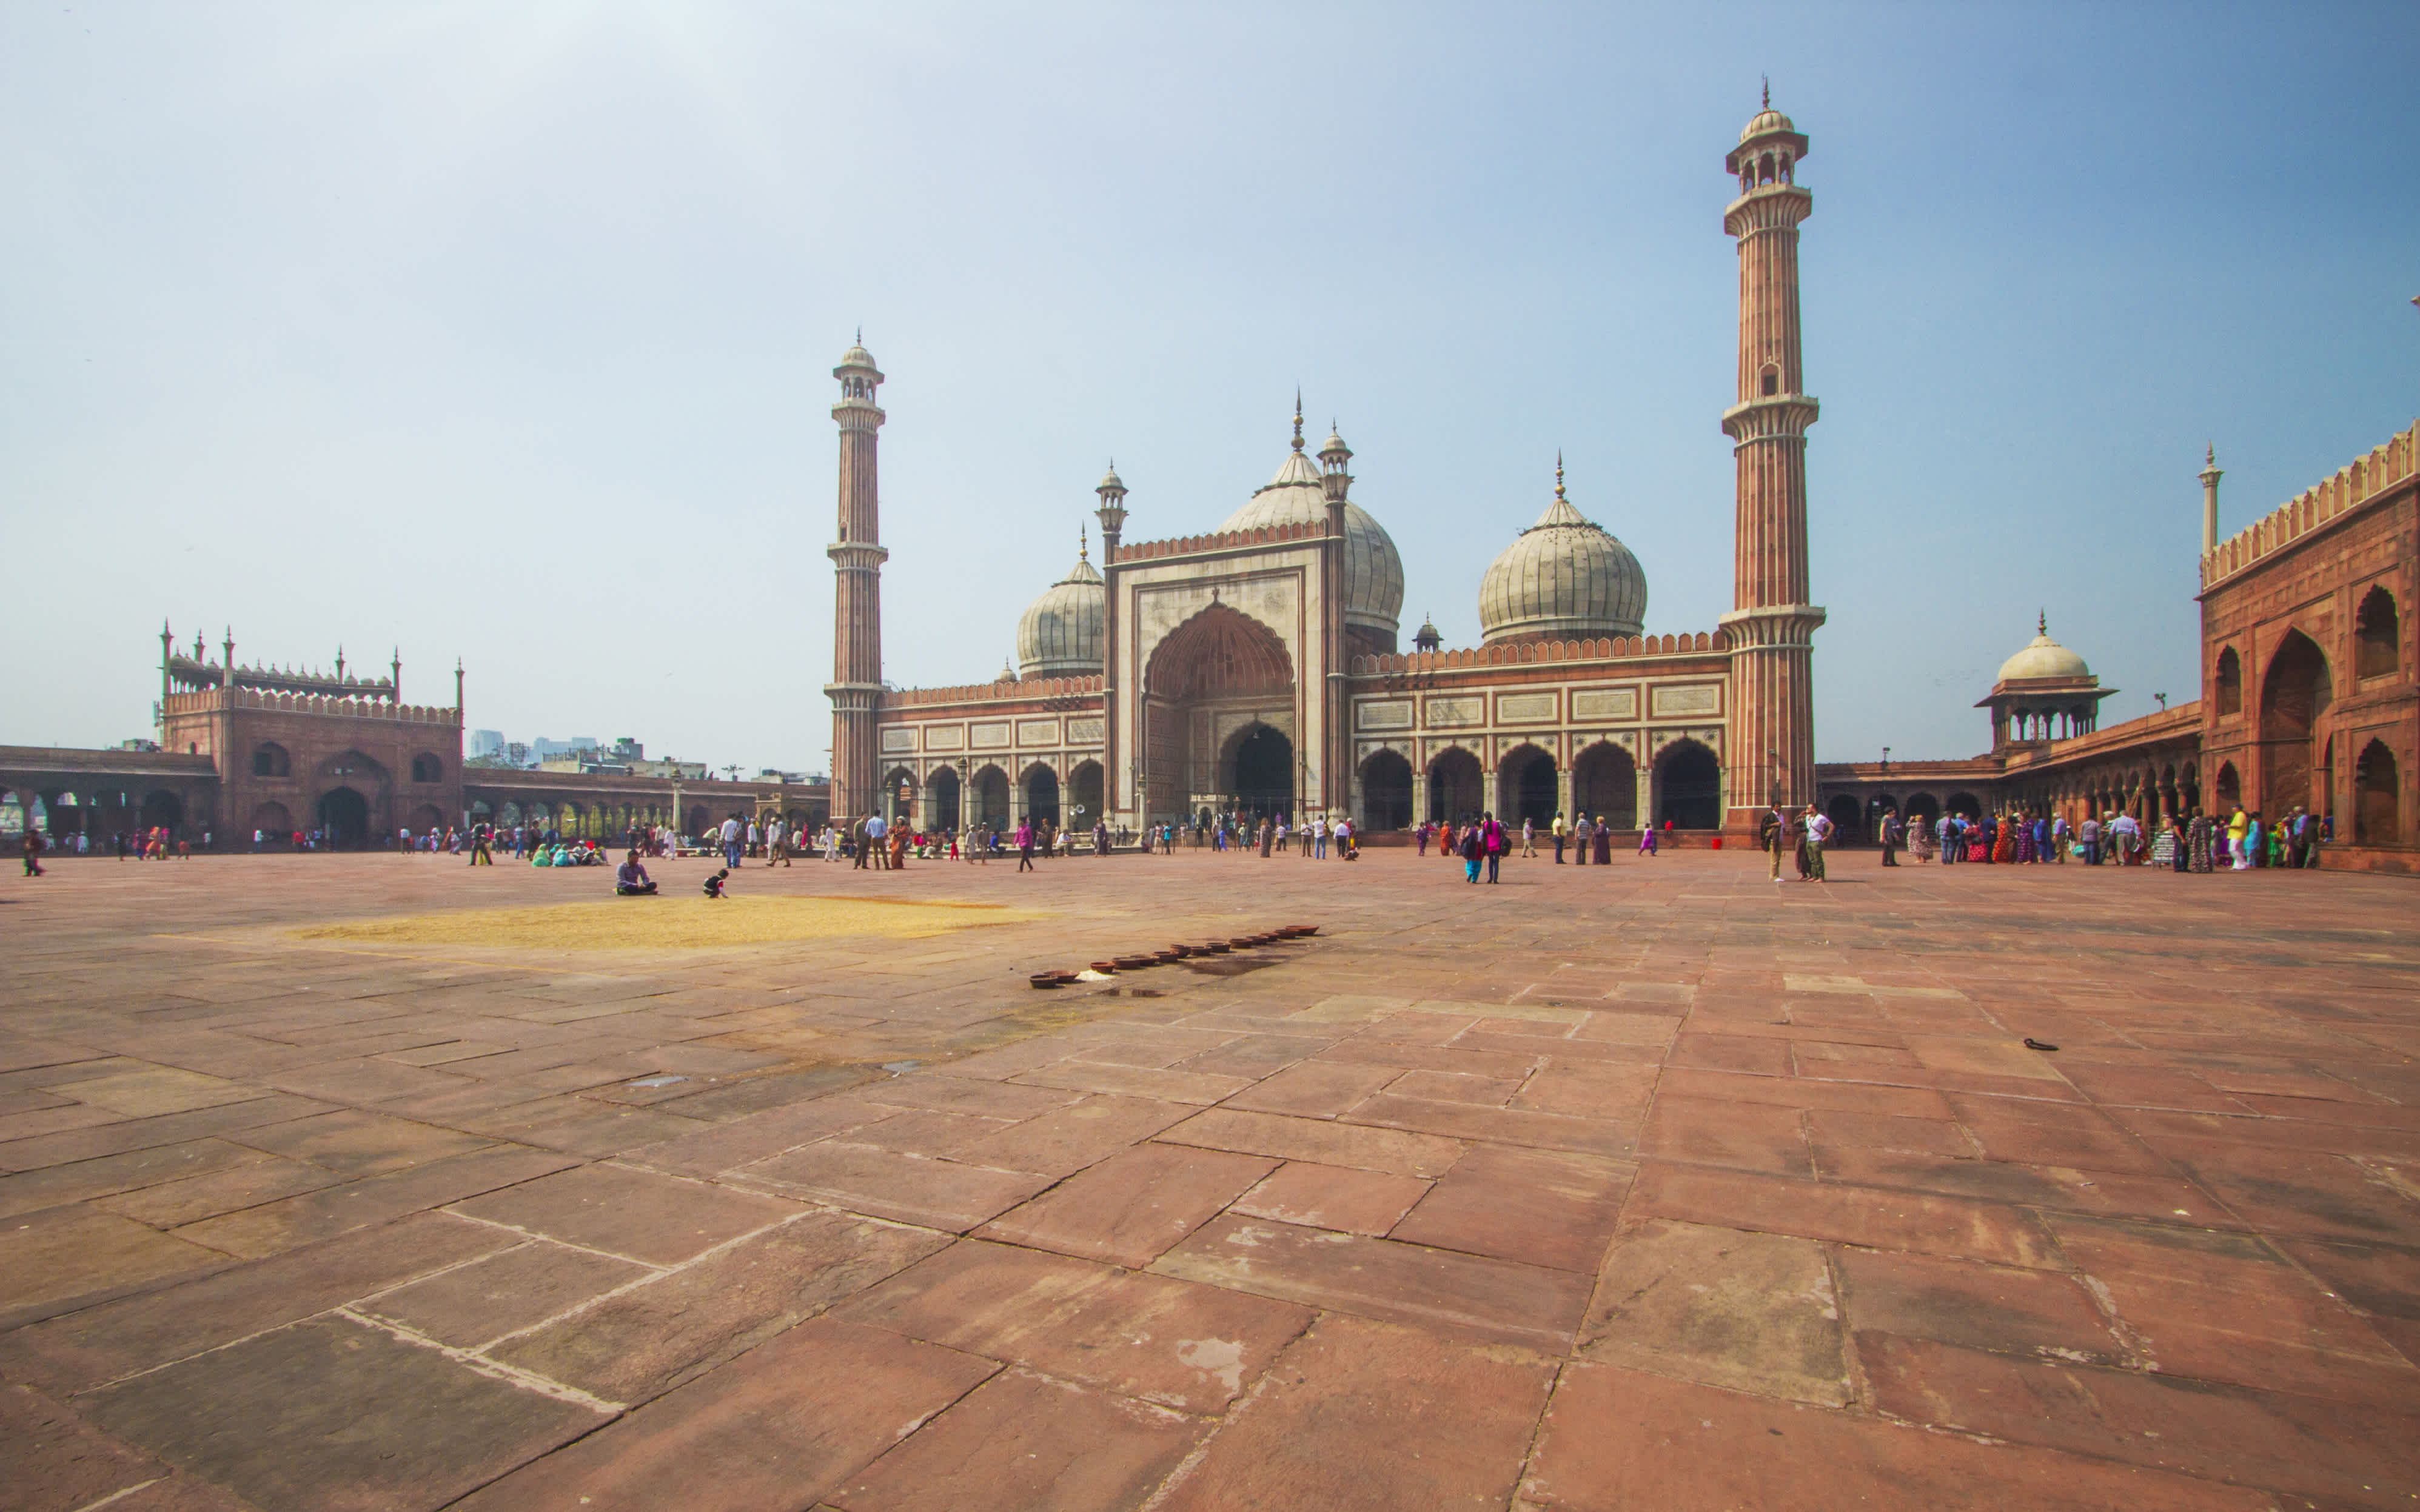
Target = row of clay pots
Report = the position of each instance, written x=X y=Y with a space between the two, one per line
x=1179 y=952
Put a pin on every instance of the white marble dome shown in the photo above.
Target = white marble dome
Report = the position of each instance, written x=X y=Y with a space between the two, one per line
x=2044 y=657
x=1061 y=633
x=1373 y=571
x=1563 y=578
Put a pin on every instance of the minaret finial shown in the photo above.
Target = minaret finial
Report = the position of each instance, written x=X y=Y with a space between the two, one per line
x=2209 y=455
x=861 y=335
x=1768 y=91
x=1558 y=472
x=1297 y=417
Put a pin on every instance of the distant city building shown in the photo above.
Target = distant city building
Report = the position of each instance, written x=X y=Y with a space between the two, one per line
x=546 y=748
x=486 y=743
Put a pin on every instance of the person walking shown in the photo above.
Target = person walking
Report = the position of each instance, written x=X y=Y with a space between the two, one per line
x=1025 y=845
x=1604 y=846
x=1647 y=841
x=1497 y=840
x=1894 y=834
x=481 y=837
x=33 y=849
x=1775 y=834
x=1582 y=833
x=1529 y=839
x=1471 y=850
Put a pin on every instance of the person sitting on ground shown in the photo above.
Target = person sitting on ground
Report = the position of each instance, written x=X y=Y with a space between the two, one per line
x=714 y=885
x=630 y=879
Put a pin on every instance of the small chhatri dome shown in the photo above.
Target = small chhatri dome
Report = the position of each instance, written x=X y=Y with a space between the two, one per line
x=1428 y=637
x=1565 y=577
x=2042 y=657
x=856 y=356
x=1373 y=571
x=1766 y=118
x=1062 y=634
x=1110 y=481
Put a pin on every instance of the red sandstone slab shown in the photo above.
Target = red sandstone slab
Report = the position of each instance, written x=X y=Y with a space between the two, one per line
x=479 y=1303
x=174 y=1204
x=146 y=1133
x=358 y=1082
x=1254 y=1055
x=2145 y=1083
x=1068 y=1139
x=353 y=1142
x=1199 y=1088
x=781 y=1427
x=51 y=1461
x=2298 y=1192
x=1500 y=1300
x=2007 y=1308
x=924 y=1131
x=1023 y=1443
x=1128 y=1208
x=1743 y=1135
x=1512 y=1126
x=1540 y=1207
x=1801 y=1092
x=1370 y=1050
x=758 y=1137
x=1333 y=1196
x=1738 y=1054
x=582 y=1126
x=937 y=1194
x=1615 y=1439
x=63 y=1258
x=377 y=1199
x=2276 y=1439
x=336 y=1414
x=1589 y=1089
x=1875 y=1218
x=1149 y=1336
x=1318 y=1141
x=2227 y=1307
x=1315 y=1089
x=1358 y=1414
x=1722 y=1307
x=51 y=1187
x=85 y=1348
x=1827 y=1128
x=2041 y=1133
x=660 y=1219
x=2108 y=1192
x=956 y=1094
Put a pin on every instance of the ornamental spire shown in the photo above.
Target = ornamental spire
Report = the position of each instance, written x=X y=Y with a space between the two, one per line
x=1298 y=418
x=1558 y=472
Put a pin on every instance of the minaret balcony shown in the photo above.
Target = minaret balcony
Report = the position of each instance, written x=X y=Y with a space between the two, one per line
x=1768 y=416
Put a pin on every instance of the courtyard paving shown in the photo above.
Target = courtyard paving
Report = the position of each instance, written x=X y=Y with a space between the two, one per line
x=1650 y=1186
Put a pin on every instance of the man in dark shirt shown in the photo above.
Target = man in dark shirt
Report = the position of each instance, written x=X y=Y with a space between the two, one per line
x=630 y=878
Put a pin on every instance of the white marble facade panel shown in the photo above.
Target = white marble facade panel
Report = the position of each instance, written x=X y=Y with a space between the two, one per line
x=1528 y=707
x=993 y=736
x=1459 y=711
x=1383 y=714
x=897 y=739
x=1679 y=701
x=1084 y=732
x=945 y=737
x=1605 y=703
x=1037 y=731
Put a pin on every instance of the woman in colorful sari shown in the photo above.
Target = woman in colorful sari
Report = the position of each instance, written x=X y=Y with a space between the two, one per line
x=1919 y=838
x=2198 y=847
x=2004 y=841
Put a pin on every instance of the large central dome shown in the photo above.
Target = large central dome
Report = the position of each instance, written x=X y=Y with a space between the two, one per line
x=1373 y=572
x=1563 y=578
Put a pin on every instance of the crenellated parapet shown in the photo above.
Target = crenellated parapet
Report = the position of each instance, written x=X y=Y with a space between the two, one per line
x=1521 y=653
x=1185 y=546
x=212 y=701
x=1005 y=690
x=2355 y=484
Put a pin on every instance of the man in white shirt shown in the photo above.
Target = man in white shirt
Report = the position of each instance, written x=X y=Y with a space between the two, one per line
x=731 y=843
x=1818 y=829
x=875 y=830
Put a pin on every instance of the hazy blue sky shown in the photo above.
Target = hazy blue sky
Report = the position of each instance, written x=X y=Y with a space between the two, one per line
x=505 y=332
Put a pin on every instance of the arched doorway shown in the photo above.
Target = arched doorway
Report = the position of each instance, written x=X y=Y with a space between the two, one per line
x=2377 y=797
x=274 y=824
x=163 y=810
x=1847 y=816
x=1922 y=806
x=1210 y=687
x=2230 y=789
x=345 y=815
x=990 y=798
x=1262 y=768
x=1084 y=794
x=2377 y=635
x=1456 y=786
x=1386 y=792
x=1604 y=785
x=941 y=792
x=899 y=796
x=1966 y=805
x=425 y=819
x=2294 y=692
x=1525 y=787
x=1040 y=794
x=1688 y=787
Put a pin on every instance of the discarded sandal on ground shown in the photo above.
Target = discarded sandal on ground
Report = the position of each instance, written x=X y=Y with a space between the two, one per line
x=2037 y=1044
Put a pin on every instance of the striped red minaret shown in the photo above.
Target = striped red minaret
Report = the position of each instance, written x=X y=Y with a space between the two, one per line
x=858 y=555
x=1771 y=736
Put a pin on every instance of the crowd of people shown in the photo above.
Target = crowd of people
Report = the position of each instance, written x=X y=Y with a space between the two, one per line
x=2191 y=842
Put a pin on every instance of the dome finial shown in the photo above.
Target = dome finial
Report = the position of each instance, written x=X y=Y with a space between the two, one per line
x=1297 y=417
x=1768 y=91
x=1083 y=543
x=1558 y=472
x=2042 y=623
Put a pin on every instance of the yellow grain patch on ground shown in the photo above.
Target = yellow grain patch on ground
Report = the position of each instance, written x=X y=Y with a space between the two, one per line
x=673 y=924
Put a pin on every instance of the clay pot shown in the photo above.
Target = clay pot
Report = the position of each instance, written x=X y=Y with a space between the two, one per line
x=1178 y=953
x=1044 y=978
x=1105 y=967
x=1135 y=963
x=1217 y=948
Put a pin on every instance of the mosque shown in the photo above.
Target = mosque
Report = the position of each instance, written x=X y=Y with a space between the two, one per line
x=1260 y=665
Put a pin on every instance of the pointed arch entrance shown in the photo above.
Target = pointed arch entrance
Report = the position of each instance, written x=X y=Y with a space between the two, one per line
x=345 y=814
x=1688 y=787
x=1219 y=712
x=2294 y=692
